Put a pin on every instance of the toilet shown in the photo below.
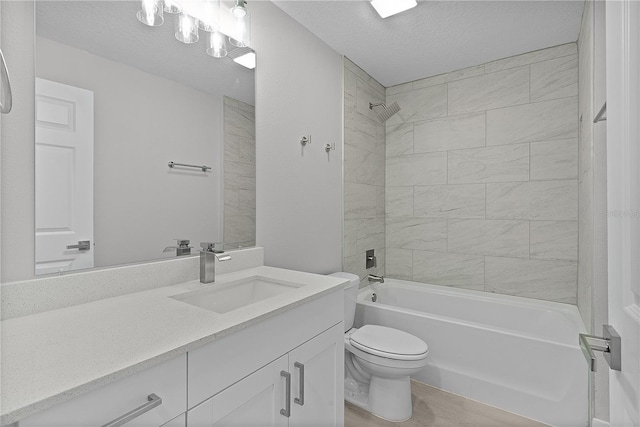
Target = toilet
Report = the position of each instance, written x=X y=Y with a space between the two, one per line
x=378 y=362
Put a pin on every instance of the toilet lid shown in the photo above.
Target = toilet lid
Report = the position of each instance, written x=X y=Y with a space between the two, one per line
x=388 y=342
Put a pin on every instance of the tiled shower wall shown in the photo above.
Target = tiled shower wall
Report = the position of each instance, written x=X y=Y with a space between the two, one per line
x=481 y=177
x=239 y=172
x=364 y=162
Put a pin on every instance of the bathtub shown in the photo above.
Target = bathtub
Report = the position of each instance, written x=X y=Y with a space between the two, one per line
x=517 y=354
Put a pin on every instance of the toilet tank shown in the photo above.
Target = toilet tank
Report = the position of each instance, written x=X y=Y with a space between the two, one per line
x=350 y=297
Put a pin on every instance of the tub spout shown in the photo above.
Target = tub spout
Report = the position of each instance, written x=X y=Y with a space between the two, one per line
x=374 y=278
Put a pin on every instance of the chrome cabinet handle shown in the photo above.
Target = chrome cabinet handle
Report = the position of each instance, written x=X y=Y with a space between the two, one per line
x=287 y=406
x=83 y=245
x=300 y=400
x=153 y=401
x=7 y=101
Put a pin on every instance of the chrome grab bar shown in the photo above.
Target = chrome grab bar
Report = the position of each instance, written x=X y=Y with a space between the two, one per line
x=153 y=401
x=300 y=400
x=287 y=406
x=610 y=344
x=7 y=102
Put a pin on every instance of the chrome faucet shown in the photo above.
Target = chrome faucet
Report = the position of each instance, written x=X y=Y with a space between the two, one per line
x=374 y=278
x=182 y=247
x=208 y=258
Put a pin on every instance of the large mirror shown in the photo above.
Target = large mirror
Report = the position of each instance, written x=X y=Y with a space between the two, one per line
x=116 y=102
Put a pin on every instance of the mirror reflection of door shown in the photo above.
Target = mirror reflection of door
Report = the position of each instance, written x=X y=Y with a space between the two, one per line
x=64 y=177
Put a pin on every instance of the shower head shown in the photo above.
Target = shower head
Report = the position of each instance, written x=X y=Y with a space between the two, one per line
x=383 y=112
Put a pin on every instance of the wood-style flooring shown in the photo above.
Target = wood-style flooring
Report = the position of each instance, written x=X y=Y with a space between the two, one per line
x=437 y=408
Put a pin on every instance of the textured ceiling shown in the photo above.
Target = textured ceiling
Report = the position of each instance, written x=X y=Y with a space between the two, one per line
x=436 y=36
x=110 y=29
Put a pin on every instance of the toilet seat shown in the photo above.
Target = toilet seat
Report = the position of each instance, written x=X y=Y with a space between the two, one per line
x=388 y=343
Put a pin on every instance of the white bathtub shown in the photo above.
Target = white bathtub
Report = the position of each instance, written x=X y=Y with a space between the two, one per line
x=517 y=354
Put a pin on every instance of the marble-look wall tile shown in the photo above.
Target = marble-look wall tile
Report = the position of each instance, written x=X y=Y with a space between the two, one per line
x=554 y=160
x=541 y=200
x=541 y=121
x=419 y=104
x=418 y=169
x=240 y=202
x=366 y=95
x=556 y=78
x=399 y=139
x=239 y=176
x=350 y=89
x=547 y=280
x=239 y=149
x=416 y=233
x=531 y=57
x=489 y=91
x=404 y=87
x=360 y=200
x=240 y=122
x=380 y=201
x=362 y=75
x=399 y=202
x=554 y=240
x=363 y=234
x=505 y=163
x=465 y=73
x=489 y=237
x=240 y=229
x=448 y=201
x=430 y=81
x=399 y=263
x=467 y=131
x=363 y=166
x=360 y=131
x=440 y=268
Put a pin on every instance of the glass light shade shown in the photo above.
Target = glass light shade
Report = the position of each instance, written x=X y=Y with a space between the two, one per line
x=241 y=36
x=239 y=10
x=151 y=13
x=210 y=19
x=186 y=28
x=171 y=6
x=217 y=45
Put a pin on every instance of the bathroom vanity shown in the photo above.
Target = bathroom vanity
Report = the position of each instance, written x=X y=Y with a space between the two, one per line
x=271 y=353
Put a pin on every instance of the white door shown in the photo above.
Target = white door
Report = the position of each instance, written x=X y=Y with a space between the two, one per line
x=623 y=187
x=317 y=376
x=253 y=401
x=64 y=177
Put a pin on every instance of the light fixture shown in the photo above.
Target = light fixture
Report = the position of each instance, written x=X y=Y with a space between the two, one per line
x=151 y=13
x=240 y=9
x=217 y=45
x=186 y=28
x=190 y=16
x=247 y=60
x=386 y=8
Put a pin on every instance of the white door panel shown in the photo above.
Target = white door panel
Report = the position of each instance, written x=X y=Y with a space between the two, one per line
x=64 y=176
x=623 y=203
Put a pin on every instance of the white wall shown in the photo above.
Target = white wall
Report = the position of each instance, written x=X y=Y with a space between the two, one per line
x=17 y=144
x=299 y=192
x=143 y=121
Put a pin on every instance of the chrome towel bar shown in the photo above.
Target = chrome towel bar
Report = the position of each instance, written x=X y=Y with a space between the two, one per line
x=609 y=343
x=203 y=167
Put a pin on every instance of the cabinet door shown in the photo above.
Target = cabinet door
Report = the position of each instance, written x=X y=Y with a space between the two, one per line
x=254 y=401
x=317 y=376
x=167 y=381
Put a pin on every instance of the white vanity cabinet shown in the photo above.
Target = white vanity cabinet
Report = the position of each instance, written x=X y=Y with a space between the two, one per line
x=167 y=380
x=301 y=388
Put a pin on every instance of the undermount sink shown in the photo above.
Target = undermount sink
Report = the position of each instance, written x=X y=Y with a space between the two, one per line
x=237 y=294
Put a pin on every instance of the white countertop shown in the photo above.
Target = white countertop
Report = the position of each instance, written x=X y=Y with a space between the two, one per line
x=54 y=356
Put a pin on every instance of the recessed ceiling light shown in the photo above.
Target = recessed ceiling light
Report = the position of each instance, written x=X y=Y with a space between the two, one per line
x=247 y=60
x=387 y=8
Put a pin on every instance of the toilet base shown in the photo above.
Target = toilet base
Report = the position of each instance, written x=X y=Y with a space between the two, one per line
x=387 y=398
